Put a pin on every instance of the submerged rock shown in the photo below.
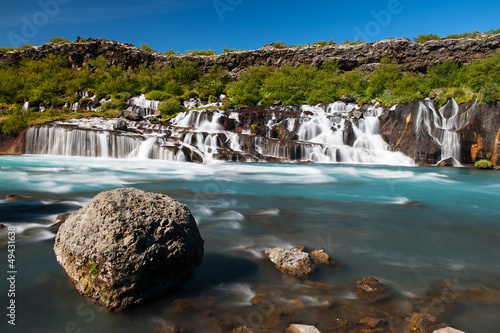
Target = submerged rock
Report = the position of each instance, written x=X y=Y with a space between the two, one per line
x=292 y=261
x=371 y=290
x=320 y=257
x=127 y=246
x=424 y=323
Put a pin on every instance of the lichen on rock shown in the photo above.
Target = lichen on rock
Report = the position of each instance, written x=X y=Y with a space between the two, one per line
x=127 y=246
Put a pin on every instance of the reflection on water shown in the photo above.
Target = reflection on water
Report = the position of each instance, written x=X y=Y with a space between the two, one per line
x=358 y=214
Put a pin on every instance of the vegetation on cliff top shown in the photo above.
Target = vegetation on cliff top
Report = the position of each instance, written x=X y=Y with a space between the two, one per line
x=52 y=83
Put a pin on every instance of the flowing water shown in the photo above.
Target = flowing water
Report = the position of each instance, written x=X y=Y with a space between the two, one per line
x=322 y=134
x=356 y=213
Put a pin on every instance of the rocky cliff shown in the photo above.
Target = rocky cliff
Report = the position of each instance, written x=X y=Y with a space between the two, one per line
x=409 y=55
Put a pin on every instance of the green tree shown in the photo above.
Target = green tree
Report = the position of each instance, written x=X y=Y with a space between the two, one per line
x=171 y=107
x=213 y=83
x=383 y=78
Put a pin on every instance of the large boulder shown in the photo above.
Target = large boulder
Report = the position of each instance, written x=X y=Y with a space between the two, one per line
x=127 y=246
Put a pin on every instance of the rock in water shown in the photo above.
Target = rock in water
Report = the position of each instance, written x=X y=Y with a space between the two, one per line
x=292 y=261
x=120 y=125
x=371 y=290
x=127 y=246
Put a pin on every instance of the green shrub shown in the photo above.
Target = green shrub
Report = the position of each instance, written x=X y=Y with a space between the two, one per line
x=323 y=43
x=383 y=78
x=169 y=52
x=14 y=124
x=425 y=38
x=484 y=164
x=493 y=32
x=157 y=95
x=474 y=34
x=59 y=40
x=354 y=42
x=227 y=50
x=115 y=105
x=202 y=52
x=214 y=83
x=248 y=89
x=443 y=75
x=171 y=107
x=279 y=45
x=146 y=47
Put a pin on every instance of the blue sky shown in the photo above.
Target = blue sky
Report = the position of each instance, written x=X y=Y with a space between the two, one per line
x=238 y=24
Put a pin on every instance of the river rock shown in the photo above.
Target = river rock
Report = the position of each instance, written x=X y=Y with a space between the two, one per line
x=371 y=290
x=253 y=329
x=292 y=261
x=424 y=323
x=60 y=219
x=446 y=162
x=15 y=197
x=296 y=328
x=120 y=125
x=320 y=257
x=448 y=330
x=127 y=246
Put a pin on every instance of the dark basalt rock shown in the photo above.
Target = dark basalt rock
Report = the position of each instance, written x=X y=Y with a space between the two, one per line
x=408 y=55
x=120 y=125
x=127 y=246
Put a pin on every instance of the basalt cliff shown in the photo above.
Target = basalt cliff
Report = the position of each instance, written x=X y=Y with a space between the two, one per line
x=410 y=56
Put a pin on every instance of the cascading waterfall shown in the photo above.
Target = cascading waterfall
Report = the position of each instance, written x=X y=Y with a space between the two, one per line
x=143 y=106
x=94 y=138
x=332 y=133
x=442 y=125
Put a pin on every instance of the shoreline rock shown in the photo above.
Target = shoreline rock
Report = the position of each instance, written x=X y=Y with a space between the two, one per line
x=371 y=290
x=127 y=246
x=293 y=262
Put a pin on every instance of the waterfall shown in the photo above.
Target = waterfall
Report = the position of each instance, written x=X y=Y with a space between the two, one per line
x=143 y=106
x=320 y=134
x=89 y=138
x=442 y=125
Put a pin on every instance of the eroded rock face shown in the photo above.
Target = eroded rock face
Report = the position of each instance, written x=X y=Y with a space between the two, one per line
x=127 y=246
x=292 y=261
